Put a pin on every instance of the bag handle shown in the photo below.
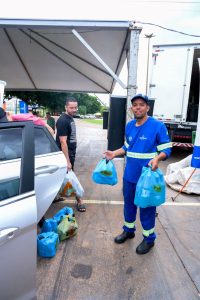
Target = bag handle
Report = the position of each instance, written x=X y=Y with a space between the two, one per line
x=107 y=160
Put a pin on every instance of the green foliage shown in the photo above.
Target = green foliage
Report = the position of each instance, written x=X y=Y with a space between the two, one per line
x=55 y=101
x=93 y=121
x=103 y=108
x=82 y=109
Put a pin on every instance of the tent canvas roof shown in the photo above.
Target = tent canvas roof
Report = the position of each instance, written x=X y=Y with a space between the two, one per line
x=46 y=55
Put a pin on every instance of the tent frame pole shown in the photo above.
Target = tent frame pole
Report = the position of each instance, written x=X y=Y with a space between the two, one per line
x=132 y=61
x=100 y=60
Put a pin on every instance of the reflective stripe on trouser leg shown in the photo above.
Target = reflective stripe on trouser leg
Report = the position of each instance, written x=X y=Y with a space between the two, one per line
x=147 y=219
x=130 y=209
x=129 y=225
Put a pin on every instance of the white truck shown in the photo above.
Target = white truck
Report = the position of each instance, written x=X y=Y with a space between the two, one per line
x=174 y=89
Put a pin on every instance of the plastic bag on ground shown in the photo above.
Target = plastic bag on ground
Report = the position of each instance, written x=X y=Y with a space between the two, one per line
x=62 y=213
x=150 y=189
x=177 y=179
x=67 y=228
x=47 y=243
x=178 y=173
x=105 y=173
x=49 y=225
x=174 y=167
x=71 y=186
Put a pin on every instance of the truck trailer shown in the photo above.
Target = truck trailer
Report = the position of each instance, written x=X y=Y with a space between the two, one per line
x=174 y=90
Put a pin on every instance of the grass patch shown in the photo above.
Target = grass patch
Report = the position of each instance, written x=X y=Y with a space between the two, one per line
x=94 y=121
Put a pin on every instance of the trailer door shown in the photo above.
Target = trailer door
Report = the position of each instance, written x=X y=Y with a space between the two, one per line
x=170 y=81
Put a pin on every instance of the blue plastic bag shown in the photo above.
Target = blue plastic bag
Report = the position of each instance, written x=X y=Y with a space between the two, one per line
x=150 y=189
x=49 y=225
x=105 y=172
x=47 y=243
x=63 y=213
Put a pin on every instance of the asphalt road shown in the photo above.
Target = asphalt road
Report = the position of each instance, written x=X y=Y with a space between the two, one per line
x=91 y=266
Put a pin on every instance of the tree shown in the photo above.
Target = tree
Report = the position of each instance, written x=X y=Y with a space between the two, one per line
x=103 y=108
x=55 y=101
x=82 y=109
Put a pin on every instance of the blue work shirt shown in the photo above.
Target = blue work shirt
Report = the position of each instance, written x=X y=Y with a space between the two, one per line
x=142 y=144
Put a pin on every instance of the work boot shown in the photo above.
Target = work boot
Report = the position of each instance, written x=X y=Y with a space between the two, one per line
x=144 y=247
x=124 y=236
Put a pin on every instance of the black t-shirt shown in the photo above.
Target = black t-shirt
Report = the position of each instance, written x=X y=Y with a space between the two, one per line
x=65 y=126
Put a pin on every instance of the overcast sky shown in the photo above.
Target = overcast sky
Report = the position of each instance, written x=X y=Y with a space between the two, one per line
x=177 y=15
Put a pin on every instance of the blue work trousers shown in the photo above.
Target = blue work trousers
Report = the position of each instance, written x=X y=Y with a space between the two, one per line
x=147 y=215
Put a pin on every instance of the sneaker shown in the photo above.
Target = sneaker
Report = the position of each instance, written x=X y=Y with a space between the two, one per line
x=144 y=247
x=124 y=236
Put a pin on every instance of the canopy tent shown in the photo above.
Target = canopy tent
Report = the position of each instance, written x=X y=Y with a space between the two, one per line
x=48 y=55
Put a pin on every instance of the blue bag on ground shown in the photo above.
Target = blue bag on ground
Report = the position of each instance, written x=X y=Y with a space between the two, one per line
x=50 y=225
x=63 y=213
x=150 y=189
x=47 y=243
x=105 y=173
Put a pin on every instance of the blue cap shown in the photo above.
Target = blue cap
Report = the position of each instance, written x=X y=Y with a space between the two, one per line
x=140 y=96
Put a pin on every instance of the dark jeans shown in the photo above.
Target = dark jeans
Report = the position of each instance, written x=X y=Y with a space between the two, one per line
x=72 y=159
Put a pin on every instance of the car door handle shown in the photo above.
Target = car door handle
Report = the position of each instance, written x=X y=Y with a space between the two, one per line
x=46 y=170
x=7 y=234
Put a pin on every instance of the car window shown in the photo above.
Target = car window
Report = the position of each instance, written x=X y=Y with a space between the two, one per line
x=10 y=148
x=10 y=143
x=9 y=188
x=43 y=142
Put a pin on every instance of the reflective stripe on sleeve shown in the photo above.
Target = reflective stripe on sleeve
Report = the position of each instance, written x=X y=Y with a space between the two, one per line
x=129 y=225
x=141 y=155
x=148 y=232
x=164 y=146
x=126 y=144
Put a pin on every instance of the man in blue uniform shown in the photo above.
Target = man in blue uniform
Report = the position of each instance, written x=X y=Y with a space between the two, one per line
x=147 y=143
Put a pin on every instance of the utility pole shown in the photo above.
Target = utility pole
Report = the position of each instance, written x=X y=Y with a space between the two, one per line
x=148 y=36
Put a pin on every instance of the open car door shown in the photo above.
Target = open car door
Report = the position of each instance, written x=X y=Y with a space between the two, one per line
x=50 y=169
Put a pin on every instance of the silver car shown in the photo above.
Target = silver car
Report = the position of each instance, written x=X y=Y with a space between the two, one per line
x=27 y=189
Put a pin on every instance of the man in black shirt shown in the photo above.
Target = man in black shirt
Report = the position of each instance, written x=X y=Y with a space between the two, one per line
x=66 y=138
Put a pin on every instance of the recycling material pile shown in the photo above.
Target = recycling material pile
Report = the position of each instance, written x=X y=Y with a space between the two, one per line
x=177 y=174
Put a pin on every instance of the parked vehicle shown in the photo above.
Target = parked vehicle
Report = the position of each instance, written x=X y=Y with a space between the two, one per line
x=174 y=87
x=27 y=189
x=90 y=116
